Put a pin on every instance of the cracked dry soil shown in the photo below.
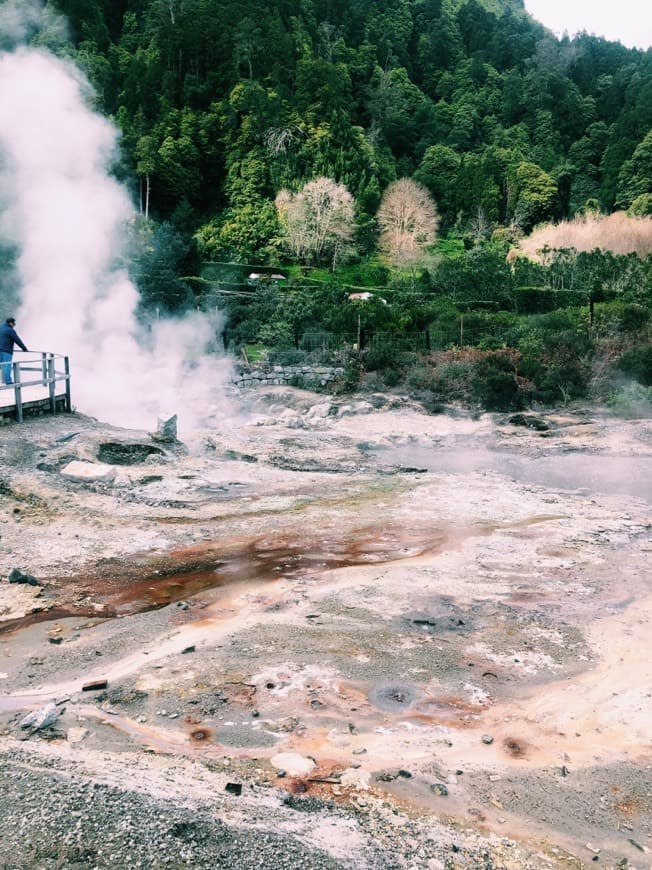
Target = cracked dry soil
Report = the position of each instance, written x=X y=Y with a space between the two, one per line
x=339 y=634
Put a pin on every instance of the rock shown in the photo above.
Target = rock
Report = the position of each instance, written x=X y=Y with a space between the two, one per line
x=439 y=788
x=387 y=777
x=292 y=763
x=42 y=718
x=322 y=410
x=529 y=421
x=88 y=472
x=17 y=576
x=355 y=778
x=488 y=739
x=233 y=788
x=76 y=735
x=166 y=429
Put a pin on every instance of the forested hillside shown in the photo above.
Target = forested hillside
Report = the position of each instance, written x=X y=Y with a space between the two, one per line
x=275 y=133
x=222 y=104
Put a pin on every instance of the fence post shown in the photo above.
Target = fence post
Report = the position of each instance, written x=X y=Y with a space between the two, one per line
x=52 y=384
x=461 y=331
x=44 y=367
x=18 y=392
x=66 y=363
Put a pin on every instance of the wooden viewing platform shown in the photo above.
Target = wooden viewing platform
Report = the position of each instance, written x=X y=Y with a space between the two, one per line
x=41 y=382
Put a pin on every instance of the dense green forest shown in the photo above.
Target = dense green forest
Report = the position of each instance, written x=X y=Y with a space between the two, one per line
x=232 y=115
x=221 y=105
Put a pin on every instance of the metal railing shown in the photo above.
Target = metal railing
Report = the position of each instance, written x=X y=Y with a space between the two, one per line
x=37 y=369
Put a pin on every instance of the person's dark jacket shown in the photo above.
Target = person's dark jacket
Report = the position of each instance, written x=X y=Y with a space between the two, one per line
x=8 y=338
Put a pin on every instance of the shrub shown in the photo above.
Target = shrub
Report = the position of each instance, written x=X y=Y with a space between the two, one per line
x=495 y=384
x=391 y=377
x=619 y=318
x=563 y=371
x=632 y=401
x=638 y=364
x=420 y=377
x=379 y=358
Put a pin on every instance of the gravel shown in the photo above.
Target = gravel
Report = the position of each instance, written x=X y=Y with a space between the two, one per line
x=54 y=819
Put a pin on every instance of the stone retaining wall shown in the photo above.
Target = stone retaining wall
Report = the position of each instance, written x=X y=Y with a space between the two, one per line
x=254 y=376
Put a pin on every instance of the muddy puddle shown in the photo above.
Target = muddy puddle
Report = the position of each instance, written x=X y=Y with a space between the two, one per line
x=588 y=472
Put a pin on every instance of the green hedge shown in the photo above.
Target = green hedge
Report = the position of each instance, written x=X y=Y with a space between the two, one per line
x=540 y=300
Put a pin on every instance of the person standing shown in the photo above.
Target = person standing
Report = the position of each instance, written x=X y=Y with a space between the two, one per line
x=8 y=338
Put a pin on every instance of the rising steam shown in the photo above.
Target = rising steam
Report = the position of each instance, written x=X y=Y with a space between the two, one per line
x=67 y=217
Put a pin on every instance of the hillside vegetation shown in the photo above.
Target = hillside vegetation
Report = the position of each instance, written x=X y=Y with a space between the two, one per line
x=275 y=136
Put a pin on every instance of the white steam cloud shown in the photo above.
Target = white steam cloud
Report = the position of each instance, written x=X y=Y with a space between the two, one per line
x=68 y=216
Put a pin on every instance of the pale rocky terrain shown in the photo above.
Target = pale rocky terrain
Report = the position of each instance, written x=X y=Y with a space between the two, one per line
x=337 y=633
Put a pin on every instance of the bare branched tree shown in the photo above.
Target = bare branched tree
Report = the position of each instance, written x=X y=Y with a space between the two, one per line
x=279 y=140
x=318 y=222
x=408 y=220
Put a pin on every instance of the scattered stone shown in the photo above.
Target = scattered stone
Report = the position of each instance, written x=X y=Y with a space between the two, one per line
x=55 y=640
x=94 y=685
x=529 y=421
x=488 y=739
x=17 y=576
x=188 y=649
x=166 y=429
x=40 y=719
x=76 y=735
x=88 y=472
x=439 y=788
x=387 y=777
x=234 y=788
x=353 y=777
x=293 y=763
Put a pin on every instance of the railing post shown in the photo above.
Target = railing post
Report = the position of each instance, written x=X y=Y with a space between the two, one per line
x=44 y=367
x=51 y=384
x=66 y=363
x=18 y=392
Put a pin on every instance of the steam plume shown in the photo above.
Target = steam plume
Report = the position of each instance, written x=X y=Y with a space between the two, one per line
x=67 y=216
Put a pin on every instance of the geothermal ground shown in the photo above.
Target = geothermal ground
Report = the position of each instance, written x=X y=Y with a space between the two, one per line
x=339 y=634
